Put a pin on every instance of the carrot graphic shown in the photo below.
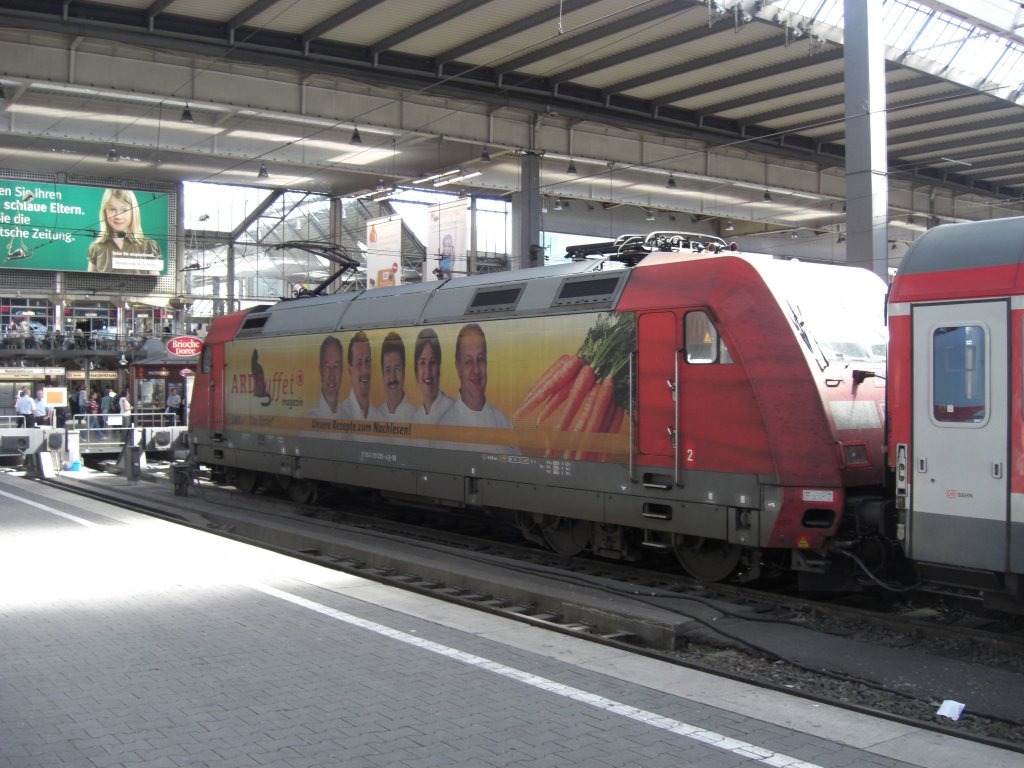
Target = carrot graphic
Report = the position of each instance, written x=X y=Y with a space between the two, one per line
x=555 y=378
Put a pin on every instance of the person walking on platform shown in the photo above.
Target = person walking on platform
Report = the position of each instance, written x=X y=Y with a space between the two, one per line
x=26 y=408
x=109 y=402
x=41 y=410
x=174 y=407
x=124 y=406
x=93 y=408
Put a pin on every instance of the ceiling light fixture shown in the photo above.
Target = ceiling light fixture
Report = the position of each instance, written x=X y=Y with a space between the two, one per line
x=671 y=183
x=456 y=179
x=649 y=216
x=112 y=156
x=356 y=138
x=485 y=156
x=264 y=173
x=571 y=170
x=186 y=115
x=558 y=205
x=767 y=196
x=729 y=226
x=383 y=194
x=436 y=176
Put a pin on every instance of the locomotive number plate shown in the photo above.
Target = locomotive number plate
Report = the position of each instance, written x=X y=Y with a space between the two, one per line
x=820 y=496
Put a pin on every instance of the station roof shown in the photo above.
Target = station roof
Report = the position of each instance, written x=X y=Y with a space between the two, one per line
x=727 y=109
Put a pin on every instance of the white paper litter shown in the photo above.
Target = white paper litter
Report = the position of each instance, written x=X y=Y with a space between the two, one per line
x=950 y=709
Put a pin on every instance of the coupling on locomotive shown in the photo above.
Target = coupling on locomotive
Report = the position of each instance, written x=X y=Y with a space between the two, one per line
x=654 y=394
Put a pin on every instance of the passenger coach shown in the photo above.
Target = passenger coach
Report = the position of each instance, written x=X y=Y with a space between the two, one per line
x=956 y=318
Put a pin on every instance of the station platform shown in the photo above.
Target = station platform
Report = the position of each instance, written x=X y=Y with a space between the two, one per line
x=129 y=641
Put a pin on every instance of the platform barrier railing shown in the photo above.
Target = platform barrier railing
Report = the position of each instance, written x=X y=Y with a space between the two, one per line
x=109 y=431
x=13 y=422
x=95 y=430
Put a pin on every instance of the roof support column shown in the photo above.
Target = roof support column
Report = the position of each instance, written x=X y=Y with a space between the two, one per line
x=867 y=190
x=231 y=306
x=526 y=215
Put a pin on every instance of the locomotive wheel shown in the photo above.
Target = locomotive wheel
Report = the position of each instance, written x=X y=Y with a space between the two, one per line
x=706 y=559
x=246 y=480
x=528 y=528
x=302 y=491
x=565 y=536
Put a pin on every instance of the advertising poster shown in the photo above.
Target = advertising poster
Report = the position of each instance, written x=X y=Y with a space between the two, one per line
x=82 y=229
x=563 y=394
x=384 y=252
x=447 y=241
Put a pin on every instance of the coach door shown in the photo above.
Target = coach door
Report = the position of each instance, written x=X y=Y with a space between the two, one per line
x=960 y=434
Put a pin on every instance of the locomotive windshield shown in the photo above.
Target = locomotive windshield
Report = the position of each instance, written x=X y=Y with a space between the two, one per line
x=838 y=310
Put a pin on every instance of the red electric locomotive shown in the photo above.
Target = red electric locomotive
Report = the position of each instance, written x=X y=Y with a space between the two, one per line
x=671 y=394
x=956 y=445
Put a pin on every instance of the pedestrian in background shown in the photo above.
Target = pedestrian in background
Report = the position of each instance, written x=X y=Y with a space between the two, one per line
x=93 y=409
x=25 y=407
x=124 y=406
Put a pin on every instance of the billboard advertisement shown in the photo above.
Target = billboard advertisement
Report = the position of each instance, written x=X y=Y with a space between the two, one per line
x=384 y=252
x=82 y=229
x=447 y=241
x=551 y=387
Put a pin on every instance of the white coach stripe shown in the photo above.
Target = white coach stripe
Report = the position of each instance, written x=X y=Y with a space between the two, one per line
x=727 y=743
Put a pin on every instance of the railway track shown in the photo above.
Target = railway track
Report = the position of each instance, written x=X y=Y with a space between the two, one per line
x=727 y=630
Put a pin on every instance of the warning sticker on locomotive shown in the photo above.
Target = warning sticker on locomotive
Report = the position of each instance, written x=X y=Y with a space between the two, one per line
x=556 y=387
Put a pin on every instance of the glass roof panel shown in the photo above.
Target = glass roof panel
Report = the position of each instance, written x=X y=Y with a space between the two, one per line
x=968 y=53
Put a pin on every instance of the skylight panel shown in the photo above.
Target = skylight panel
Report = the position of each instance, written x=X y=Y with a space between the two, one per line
x=967 y=53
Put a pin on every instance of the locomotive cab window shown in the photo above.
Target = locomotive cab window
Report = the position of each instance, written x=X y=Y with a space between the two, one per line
x=703 y=343
x=206 y=360
x=959 y=385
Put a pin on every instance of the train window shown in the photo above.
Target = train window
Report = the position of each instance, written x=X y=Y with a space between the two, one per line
x=253 y=323
x=206 y=360
x=703 y=343
x=587 y=290
x=959 y=386
x=495 y=299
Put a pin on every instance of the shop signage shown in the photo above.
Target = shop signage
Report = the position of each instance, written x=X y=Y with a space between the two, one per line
x=93 y=375
x=20 y=374
x=186 y=372
x=185 y=346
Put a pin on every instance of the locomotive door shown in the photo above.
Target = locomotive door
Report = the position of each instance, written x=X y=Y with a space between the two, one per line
x=656 y=380
x=211 y=363
x=960 y=433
